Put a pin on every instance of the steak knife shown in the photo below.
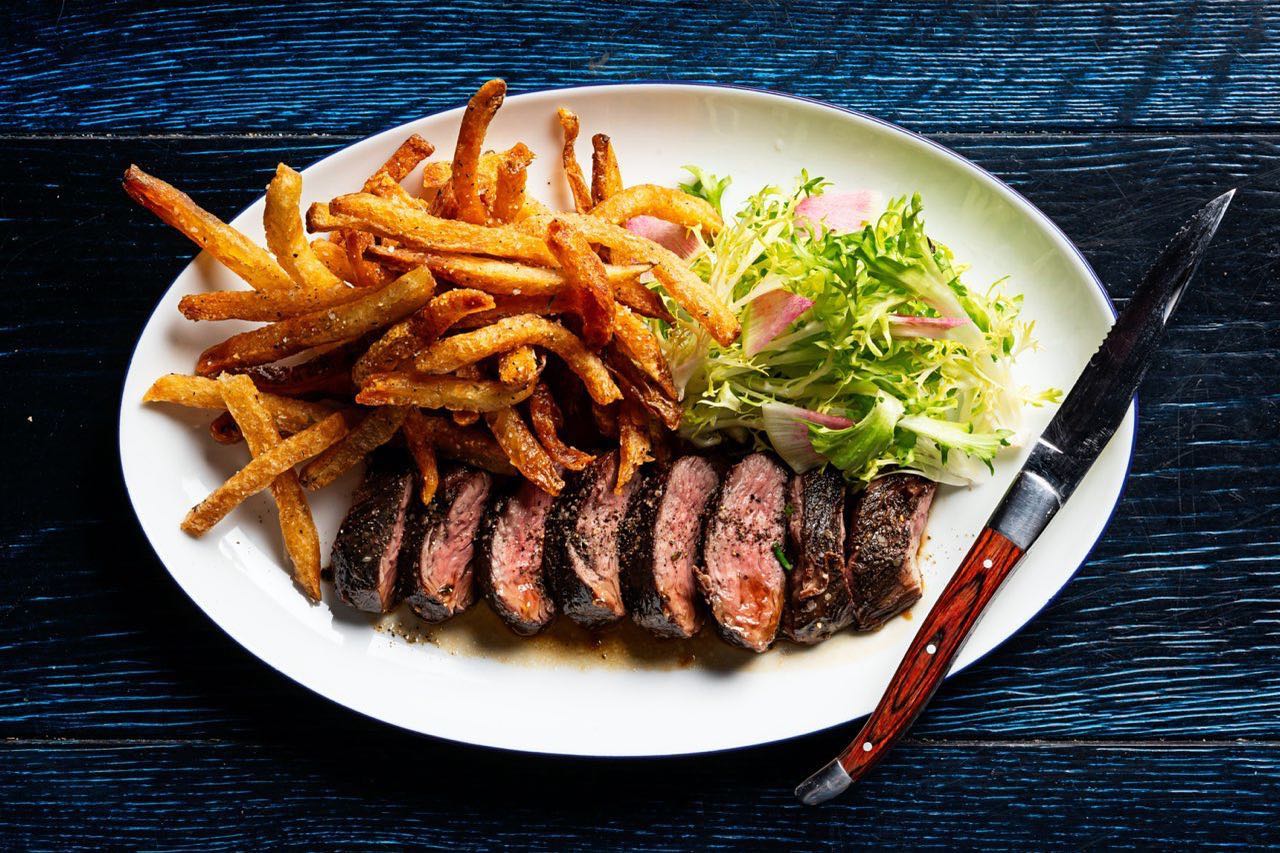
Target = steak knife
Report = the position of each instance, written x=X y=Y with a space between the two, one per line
x=1063 y=454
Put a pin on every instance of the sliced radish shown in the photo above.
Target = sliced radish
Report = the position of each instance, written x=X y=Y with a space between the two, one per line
x=788 y=429
x=769 y=315
x=908 y=326
x=669 y=235
x=840 y=212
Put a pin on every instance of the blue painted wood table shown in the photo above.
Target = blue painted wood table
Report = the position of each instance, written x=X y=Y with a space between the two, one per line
x=1141 y=708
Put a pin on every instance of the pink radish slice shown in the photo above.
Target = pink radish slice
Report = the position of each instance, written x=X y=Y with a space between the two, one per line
x=769 y=315
x=840 y=212
x=788 y=429
x=669 y=235
x=907 y=326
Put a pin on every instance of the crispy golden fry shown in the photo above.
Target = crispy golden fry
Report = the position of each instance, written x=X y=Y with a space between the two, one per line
x=633 y=442
x=441 y=392
x=606 y=179
x=639 y=387
x=367 y=274
x=402 y=161
x=224 y=430
x=373 y=310
x=420 y=230
x=448 y=354
x=418 y=440
x=262 y=472
x=264 y=306
x=480 y=111
x=547 y=421
x=638 y=343
x=334 y=256
x=512 y=306
x=375 y=430
x=383 y=186
x=473 y=446
x=301 y=540
x=524 y=451
x=285 y=237
x=434 y=178
x=588 y=289
x=463 y=417
x=663 y=202
x=234 y=250
x=688 y=290
x=396 y=345
x=199 y=392
x=508 y=195
x=446 y=310
x=572 y=171
x=518 y=367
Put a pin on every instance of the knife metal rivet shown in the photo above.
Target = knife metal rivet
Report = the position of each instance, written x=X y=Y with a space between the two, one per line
x=986 y=564
x=931 y=649
x=866 y=746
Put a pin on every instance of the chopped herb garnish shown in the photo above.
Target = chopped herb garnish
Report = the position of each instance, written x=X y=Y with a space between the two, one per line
x=789 y=510
x=782 y=558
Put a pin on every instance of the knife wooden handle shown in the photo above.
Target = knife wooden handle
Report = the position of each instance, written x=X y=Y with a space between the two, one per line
x=931 y=654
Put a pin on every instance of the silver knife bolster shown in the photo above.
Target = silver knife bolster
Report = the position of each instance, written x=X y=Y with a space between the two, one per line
x=1033 y=498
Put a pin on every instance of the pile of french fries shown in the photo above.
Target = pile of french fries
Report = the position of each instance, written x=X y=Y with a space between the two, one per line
x=437 y=318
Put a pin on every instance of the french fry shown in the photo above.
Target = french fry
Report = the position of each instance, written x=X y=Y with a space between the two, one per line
x=518 y=367
x=524 y=451
x=224 y=430
x=588 y=289
x=637 y=386
x=434 y=178
x=373 y=431
x=285 y=237
x=367 y=274
x=199 y=392
x=547 y=421
x=301 y=540
x=419 y=229
x=447 y=310
x=383 y=186
x=606 y=179
x=402 y=161
x=473 y=446
x=633 y=442
x=264 y=306
x=441 y=392
x=234 y=250
x=572 y=170
x=326 y=372
x=511 y=306
x=663 y=202
x=448 y=354
x=374 y=309
x=480 y=111
x=262 y=471
x=508 y=197
x=396 y=345
x=334 y=256
x=638 y=343
x=418 y=440
x=465 y=417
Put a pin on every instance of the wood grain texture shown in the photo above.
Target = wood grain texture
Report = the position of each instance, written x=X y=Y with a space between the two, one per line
x=340 y=67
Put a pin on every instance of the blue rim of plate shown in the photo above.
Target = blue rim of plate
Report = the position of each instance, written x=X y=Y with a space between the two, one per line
x=955 y=670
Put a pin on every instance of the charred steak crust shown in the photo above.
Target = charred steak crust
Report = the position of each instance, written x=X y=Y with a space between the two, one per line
x=731 y=528
x=819 y=601
x=366 y=549
x=666 y=606
x=429 y=530
x=513 y=582
x=886 y=523
x=576 y=545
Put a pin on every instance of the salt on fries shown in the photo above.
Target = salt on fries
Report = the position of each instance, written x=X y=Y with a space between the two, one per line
x=428 y=317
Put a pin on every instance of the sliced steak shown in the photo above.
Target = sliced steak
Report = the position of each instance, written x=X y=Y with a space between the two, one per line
x=580 y=559
x=440 y=542
x=510 y=561
x=819 y=602
x=740 y=575
x=886 y=524
x=659 y=542
x=367 y=548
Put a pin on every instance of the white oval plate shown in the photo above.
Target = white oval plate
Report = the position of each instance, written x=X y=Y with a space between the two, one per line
x=472 y=682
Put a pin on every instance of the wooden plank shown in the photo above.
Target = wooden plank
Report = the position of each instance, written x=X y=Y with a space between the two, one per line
x=1169 y=631
x=343 y=795
x=338 y=67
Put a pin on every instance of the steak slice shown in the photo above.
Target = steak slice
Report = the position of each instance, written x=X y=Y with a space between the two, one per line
x=885 y=527
x=740 y=575
x=819 y=602
x=440 y=542
x=367 y=548
x=580 y=559
x=510 y=561
x=659 y=542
